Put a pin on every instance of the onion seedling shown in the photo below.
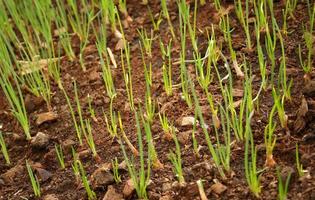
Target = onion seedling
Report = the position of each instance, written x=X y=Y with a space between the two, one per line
x=168 y=18
x=4 y=150
x=270 y=139
x=124 y=136
x=244 y=19
x=251 y=172
x=156 y=24
x=34 y=180
x=167 y=67
x=76 y=125
x=151 y=149
x=115 y=166
x=13 y=94
x=176 y=160
x=91 y=194
x=60 y=156
x=283 y=187
x=309 y=40
x=299 y=166
x=279 y=104
x=89 y=138
x=166 y=126
x=139 y=176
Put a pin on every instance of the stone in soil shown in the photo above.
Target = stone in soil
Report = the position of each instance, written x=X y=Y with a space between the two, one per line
x=128 y=188
x=8 y=176
x=50 y=197
x=40 y=141
x=183 y=137
x=111 y=194
x=218 y=188
x=101 y=177
x=46 y=117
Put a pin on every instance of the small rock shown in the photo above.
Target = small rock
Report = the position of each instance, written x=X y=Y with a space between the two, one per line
x=84 y=154
x=9 y=175
x=2 y=182
x=218 y=188
x=32 y=102
x=309 y=89
x=187 y=121
x=94 y=75
x=166 y=187
x=308 y=138
x=122 y=165
x=40 y=141
x=111 y=194
x=46 y=117
x=166 y=197
x=67 y=144
x=50 y=197
x=183 y=137
x=43 y=174
x=102 y=177
x=128 y=188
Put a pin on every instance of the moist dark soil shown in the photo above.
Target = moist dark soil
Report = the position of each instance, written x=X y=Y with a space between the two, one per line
x=163 y=185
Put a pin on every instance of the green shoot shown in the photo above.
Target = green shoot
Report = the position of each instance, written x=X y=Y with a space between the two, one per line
x=151 y=149
x=270 y=44
x=156 y=24
x=127 y=75
x=146 y=41
x=260 y=8
x=251 y=172
x=217 y=5
x=261 y=60
x=166 y=126
x=89 y=138
x=270 y=139
x=176 y=160
x=286 y=87
x=283 y=187
x=168 y=18
x=91 y=109
x=279 y=104
x=244 y=19
x=112 y=127
x=211 y=148
x=13 y=94
x=124 y=136
x=60 y=156
x=91 y=194
x=309 y=40
x=299 y=166
x=75 y=165
x=63 y=34
x=34 y=180
x=167 y=67
x=139 y=176
x=4 y=150
x=115 y=164
x=76 y=125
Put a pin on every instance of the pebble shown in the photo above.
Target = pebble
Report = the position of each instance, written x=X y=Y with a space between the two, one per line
x=50 y=197
x=111 y=194
x=128 y=188
x=101 y=177
x=40 y=141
